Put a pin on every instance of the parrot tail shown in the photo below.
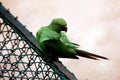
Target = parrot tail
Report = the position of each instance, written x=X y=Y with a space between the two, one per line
x=89 y=55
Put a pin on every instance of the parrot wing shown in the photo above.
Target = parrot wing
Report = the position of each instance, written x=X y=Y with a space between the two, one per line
x=59 y=49
x=66 y=40
x=46 y=34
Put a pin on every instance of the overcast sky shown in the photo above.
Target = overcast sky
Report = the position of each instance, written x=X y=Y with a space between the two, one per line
x=94 y=24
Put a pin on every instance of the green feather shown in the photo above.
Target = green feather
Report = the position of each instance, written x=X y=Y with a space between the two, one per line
x=55 y=44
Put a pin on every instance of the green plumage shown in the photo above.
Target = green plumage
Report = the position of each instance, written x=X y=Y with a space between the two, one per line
x=55 y=44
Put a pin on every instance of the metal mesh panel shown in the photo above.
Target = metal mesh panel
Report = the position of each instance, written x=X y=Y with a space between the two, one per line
x=19 y=59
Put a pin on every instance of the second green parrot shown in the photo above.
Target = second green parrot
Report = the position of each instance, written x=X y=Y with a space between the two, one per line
x=55 y=44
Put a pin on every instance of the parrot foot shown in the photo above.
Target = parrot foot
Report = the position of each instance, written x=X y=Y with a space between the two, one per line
x=49 y=59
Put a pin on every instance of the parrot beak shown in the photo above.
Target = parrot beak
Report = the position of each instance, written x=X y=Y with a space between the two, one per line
x=65 y=29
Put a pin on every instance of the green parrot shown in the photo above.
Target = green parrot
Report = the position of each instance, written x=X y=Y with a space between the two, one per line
x=55 y=44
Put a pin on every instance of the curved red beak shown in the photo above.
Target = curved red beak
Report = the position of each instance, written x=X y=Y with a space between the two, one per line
x=65 y=29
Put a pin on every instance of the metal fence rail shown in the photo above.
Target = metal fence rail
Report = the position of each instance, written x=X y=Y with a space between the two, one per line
x=20 y=55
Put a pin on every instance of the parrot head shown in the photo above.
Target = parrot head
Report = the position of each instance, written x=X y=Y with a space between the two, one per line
x=59 y=24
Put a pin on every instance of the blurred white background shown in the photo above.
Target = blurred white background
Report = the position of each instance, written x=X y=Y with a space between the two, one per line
x=94 y=24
